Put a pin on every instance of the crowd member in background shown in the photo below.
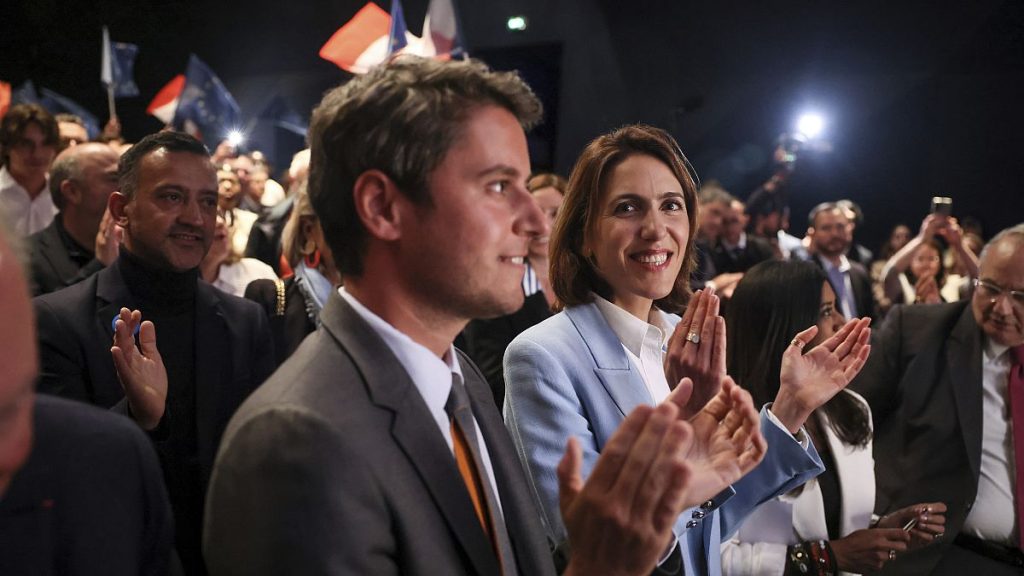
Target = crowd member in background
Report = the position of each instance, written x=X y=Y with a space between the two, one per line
x=72 y=131
x=229 y=199
x=773 y=303
x=377 y=442
x=620 y=263
x=271 y=193
x=265 y=237
x=856 y=252
x=714 y=206
x=28 y=143
x=224 y=267
x=736 y=251
x=80 y=488
x=829 y=235
x=917 y=273
x=217 y=348
x=487 y=339
x=944 y=385
x=82 y=238
x=243 y=167
x=294 y=304
x=898 y=238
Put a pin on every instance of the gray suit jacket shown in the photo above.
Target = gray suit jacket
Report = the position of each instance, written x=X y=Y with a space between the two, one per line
x=335 y=466
x=923 y=382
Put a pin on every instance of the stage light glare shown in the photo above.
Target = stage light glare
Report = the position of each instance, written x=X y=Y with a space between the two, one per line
x=516 y=23
x=236 y=137
x=810 y=125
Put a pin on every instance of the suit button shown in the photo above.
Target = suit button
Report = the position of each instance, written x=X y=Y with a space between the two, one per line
x=708 y=505
x=698 y=514
x=692 y=524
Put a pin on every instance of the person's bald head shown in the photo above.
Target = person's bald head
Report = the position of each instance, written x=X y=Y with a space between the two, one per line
x=18 y=362
x=82 y=178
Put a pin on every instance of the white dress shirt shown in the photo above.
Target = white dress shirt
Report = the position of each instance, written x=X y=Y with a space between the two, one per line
x=993 y=516
x=644 y=343
x=235 y=277
x=432 y=377
x=25 y=214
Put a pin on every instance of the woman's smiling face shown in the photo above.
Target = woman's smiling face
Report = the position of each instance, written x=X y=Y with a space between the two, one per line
x=639 y=234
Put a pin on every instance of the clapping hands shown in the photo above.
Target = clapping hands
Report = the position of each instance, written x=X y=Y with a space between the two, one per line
x=140 y=368
x=809 y=380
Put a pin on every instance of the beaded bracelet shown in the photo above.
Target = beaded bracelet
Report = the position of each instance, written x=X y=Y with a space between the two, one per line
x=813 y=558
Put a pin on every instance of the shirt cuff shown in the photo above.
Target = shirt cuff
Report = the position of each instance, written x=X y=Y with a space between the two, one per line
x=801 y=436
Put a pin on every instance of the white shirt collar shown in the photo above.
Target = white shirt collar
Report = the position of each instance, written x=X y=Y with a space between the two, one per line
x=740 y=245
x=431 y=375
x=993 y=350
x=633 y=332
x=844 y=263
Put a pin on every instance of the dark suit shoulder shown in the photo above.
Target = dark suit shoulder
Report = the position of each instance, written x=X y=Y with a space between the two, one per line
x=71 y=427
x=72 y=297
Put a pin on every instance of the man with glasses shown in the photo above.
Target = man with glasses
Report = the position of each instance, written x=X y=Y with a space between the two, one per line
x=945 y=384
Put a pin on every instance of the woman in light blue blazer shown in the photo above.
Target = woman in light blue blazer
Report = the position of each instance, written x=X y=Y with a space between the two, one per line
x=621 y=257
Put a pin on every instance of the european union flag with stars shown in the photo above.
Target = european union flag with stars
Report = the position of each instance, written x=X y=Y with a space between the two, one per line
x=206 y=103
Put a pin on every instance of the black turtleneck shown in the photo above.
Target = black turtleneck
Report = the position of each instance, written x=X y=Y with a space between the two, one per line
x=167 y=298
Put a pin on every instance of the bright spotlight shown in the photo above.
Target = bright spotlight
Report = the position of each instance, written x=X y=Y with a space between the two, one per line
x=810 y=125
x=516 y=23
x=236 y=138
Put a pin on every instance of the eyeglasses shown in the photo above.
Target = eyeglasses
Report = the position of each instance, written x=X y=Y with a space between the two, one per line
x=991 y=291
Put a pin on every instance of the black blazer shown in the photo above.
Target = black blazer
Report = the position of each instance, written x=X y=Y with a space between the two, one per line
x=486 y=340
x=51 y=267
x=89 y=500
x=292 y=326
x=336 y=465
x=234 y=353
x=923 y=381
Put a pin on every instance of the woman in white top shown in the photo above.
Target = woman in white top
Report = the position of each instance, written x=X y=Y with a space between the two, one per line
x=830 y=517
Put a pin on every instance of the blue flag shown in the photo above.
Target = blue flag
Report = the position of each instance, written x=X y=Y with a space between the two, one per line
x=57 y=104
x=280 y=114
x=396 y=36
x=122 y=69
x=206 y=103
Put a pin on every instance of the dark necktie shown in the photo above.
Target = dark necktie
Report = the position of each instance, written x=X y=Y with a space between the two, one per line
x=1016 y=387
x=470 y=462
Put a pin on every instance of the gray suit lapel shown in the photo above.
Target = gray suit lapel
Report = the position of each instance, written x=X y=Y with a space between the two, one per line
x=619 y=377
x=413 y=427
x=963 y=369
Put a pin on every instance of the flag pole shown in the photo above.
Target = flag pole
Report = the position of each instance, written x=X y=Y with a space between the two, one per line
x=110 y=102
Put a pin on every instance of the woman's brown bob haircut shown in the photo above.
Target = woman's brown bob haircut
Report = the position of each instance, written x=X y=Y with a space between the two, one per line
x=573 y=276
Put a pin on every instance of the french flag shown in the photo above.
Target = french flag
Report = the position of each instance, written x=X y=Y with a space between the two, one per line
x=367 y=40
x=165 y=103
x=363 y=42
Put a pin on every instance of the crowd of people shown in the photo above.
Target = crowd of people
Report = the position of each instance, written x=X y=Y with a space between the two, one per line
x=414 y=355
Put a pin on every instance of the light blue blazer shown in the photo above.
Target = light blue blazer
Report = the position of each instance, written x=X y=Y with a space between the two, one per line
x=570 y=376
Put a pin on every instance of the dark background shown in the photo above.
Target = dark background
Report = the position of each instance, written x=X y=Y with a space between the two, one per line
x=922 y=98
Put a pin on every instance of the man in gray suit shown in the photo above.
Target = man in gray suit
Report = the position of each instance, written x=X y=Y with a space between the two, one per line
x=376 y=448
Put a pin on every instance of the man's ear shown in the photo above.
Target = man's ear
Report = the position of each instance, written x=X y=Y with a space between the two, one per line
x=117 y=204
x=70 y=192
x=377 y=199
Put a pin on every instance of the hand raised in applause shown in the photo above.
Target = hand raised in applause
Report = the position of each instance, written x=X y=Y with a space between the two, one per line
x=620 y=521
x=140 y=368
x=727 y=441
x=696 y=350
x=809 y=380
